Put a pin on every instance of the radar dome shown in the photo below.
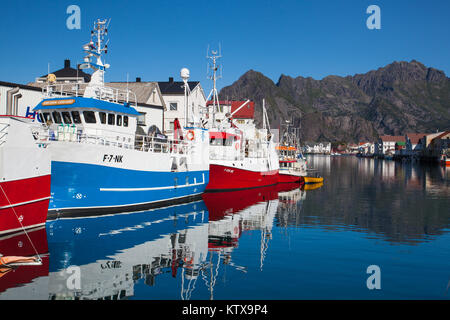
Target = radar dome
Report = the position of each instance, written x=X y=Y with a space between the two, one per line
x=184 y=73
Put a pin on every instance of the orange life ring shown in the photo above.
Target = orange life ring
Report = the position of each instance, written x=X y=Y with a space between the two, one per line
x=237 y=146
x=190 y=135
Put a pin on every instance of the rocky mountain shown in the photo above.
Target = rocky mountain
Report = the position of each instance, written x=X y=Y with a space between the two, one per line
x=398 y=98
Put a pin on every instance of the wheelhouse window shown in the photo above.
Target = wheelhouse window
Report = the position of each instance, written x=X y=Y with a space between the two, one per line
x=173 y=106
x=56 y=117
x=216 y=141
x=111 y=119
x=89 y=116
x=66 y=117
x=125 y=121
x=119 y=120
x=45 y=117
x=102 y=116
x=76 y=117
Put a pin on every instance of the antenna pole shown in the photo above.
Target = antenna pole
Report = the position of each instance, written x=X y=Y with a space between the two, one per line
x=214 y=93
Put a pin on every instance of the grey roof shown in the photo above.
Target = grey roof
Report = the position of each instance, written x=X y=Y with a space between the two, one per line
x=21 y=86
x=175 y=87
x=143 y=90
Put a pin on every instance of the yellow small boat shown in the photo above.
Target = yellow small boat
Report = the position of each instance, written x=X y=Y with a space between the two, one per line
x=312 y=186
x=313 y=179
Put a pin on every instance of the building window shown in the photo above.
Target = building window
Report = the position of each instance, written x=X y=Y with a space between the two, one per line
x=89 y=116
x=76 y=117
x=102 y=116
x=141 y=119
x=111 y=119
x=173 y=106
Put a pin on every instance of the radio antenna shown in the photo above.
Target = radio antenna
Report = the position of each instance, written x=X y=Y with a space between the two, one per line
x=212 y=68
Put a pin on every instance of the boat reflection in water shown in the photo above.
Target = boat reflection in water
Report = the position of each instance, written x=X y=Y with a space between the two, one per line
x=173 y=252
x=233 y=213
x=115 y=253
x=13 y=280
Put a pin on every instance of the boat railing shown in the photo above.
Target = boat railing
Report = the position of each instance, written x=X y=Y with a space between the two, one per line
x=145 y=143
x=157 y=144
x=105 y=93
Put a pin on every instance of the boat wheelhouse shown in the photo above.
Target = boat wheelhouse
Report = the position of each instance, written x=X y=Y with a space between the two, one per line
x=100 y=163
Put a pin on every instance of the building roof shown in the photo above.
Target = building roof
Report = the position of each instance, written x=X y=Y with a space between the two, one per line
x=21 y=86
x=143 y=90
x=388 y=138
x=69 y=72
x=442 y=135
x=175 y=87
x=415 y=137
x=247 y=112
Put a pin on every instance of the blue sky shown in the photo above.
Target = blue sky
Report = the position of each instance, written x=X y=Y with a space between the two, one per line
x=155 y=39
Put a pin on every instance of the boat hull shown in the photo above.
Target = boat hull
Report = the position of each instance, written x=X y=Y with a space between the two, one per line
x=289 y=178
x=231 y=178
x=26 y=203
x=95 y=189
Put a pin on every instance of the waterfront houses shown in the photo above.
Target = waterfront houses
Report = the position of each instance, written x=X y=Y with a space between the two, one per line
x=413 y=145
x=435 y=145
x=387 y=145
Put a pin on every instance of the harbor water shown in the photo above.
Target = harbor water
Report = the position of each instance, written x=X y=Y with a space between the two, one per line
x=281 y=242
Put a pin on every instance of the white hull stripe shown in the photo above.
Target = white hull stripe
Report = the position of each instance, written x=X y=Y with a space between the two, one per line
x=20 y=229
x=24 y=203
x=155 y=188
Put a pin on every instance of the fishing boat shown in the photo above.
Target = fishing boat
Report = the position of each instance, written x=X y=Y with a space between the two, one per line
x=292 y=162
x=99 y=162
x=24 y=176
x=241 y=155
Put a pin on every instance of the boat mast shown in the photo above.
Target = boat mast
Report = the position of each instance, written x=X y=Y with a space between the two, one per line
x=215 y=96
x=94 y=49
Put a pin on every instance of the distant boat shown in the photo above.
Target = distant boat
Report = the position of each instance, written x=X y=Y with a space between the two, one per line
x=292 y=162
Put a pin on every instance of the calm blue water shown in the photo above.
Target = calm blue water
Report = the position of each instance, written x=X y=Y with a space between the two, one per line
x=280 y=242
